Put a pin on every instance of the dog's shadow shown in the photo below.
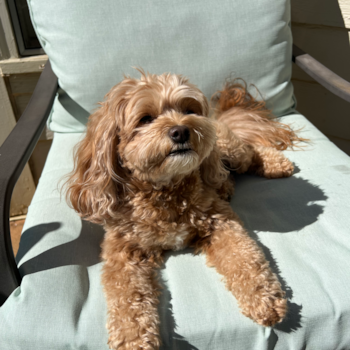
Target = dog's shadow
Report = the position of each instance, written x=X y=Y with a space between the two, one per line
x=277 y=205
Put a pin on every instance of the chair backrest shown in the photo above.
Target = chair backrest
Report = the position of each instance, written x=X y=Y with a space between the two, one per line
x=92 y=43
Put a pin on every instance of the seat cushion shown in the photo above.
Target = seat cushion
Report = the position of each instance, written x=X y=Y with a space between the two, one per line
x=91 y=45
x=302 y=223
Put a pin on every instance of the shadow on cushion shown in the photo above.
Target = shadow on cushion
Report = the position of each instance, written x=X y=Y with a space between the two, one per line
x=84 y=251
x=277 y=205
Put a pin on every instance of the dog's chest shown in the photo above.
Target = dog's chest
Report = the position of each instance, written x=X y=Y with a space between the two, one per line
x=175 y=228
x=174 y=239
x=170 y=220
x=164 y=223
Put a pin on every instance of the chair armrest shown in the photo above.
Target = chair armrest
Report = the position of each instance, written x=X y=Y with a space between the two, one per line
x=321 y=74
x=14 y=154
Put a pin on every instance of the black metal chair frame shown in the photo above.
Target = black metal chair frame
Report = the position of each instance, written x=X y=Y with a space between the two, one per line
x=19 y=145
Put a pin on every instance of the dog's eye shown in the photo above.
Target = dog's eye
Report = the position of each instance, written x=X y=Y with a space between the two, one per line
x=189 y=111
x=147 y=119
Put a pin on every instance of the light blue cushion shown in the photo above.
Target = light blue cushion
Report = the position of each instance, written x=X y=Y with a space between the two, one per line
x=91 y=44
x=301 y=222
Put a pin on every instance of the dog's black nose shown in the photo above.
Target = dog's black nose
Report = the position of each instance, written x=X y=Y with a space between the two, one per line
x=179 y=133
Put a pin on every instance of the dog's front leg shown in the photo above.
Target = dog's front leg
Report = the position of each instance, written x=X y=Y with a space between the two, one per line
x=131 y=290
x=247 y=273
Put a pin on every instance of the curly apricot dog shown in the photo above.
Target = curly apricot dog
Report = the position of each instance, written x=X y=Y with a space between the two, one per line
x=152 y=169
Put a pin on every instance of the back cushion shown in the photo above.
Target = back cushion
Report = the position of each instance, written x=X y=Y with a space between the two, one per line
x=92 y=44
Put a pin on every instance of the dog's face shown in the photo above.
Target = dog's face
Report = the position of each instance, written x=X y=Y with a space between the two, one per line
x=163 y=127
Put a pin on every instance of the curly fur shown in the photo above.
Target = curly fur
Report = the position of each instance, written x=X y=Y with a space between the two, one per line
x=153 y=194
x=249 y=118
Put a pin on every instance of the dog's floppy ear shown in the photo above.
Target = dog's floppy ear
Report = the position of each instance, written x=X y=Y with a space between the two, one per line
x=95 y=187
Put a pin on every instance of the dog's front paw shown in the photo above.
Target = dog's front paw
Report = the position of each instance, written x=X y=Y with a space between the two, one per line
x=266 y=308
x=135 y=342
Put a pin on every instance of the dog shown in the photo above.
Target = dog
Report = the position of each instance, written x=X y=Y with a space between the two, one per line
x=154 y=170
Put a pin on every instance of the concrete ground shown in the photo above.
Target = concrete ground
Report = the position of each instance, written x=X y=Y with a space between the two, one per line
x=16 y=229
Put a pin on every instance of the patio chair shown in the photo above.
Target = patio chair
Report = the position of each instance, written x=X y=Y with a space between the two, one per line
x=51 y=295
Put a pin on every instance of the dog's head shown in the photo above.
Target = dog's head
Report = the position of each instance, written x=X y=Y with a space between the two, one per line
x=163 y=126
x=153 y=130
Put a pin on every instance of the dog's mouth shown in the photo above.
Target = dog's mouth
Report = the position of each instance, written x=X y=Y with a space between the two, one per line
x=180 y=151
